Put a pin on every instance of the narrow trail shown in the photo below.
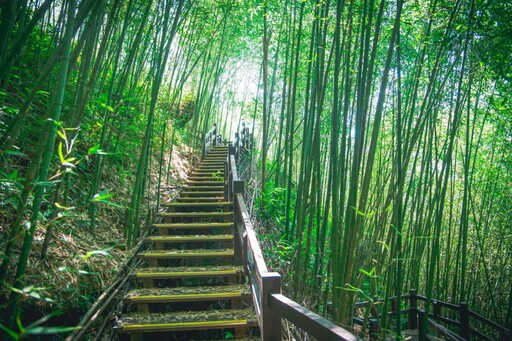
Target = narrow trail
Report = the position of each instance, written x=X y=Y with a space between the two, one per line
x=192 y=286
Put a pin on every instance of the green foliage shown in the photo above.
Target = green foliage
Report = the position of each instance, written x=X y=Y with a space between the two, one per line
x=102 y=198
x=36 y=328
x=32 y=292
x=218 y=176
x=185 y=111
x=274 y=213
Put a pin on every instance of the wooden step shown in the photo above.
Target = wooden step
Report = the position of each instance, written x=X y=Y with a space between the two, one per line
x=197 y=204
x=205 y=183
x=200 y=199
x=202 y=173
x=188 y=294
x=187 y=272
x=217 y=156
x=201 y=193
x=195 y=215
x=180 y=321
x=187 y=226
x=209 y=168
x=186 y=254
x=220 y=157
x=206 y=178
x=190 y=238
x=206 y=175
x=211 y=162
x=205 y=188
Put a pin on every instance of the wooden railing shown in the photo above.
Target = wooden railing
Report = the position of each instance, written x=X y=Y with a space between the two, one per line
x=452 y=321
x=242 y=142
x=270 y=305
x=211 y=138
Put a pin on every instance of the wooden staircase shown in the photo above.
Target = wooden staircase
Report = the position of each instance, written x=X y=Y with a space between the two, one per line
x=191 y=287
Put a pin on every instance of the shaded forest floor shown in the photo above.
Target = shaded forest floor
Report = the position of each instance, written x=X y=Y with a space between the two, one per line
x=82 y=263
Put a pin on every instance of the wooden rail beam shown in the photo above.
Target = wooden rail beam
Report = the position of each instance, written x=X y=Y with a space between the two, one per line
x=312 y=323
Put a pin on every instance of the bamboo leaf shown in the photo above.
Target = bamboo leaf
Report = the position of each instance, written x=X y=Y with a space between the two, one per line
x=95 y=253
x=61 y=154
x=102 y=196
x=43 y=319
x=49 y=330
x=72 y=270
x=15 y=153
x=61 y=134
x=112 y=204
x=367 y=273
x=42 y=92
x=94 y=149
x=13 y=175
x=68 y=164
x=10 y=332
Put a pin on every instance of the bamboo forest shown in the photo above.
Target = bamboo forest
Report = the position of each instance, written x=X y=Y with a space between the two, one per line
x=256 y=169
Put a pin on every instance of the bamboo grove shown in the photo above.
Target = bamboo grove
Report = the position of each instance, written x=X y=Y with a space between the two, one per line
x=382 y=127
x=93 y=93
x=385 y=131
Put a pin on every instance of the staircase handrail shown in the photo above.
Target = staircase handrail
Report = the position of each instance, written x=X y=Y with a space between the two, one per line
x=270 y=305
x=211 y=138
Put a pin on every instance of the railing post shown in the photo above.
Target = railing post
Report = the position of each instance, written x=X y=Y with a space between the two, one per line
x=203 y=147
x=237 y=145
x=422 y=333
x=229 y=196
x=240 y=235
x=464 y=320
x=374 y=329
x=238 y=187
x=436 y=308
x=393 y=306
x=271 y=320
x=228 y=188
x=245 y=247
x=215 y=134
x=413 y=309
